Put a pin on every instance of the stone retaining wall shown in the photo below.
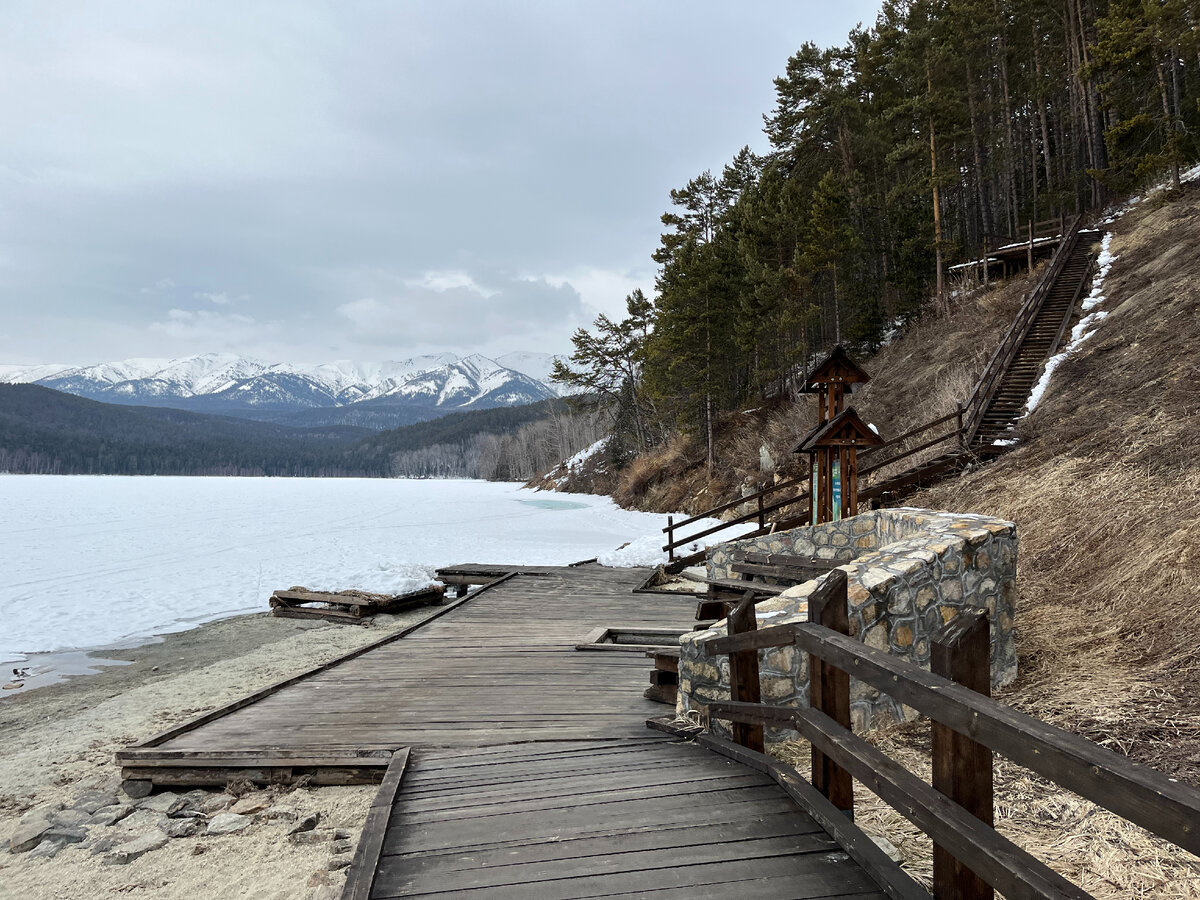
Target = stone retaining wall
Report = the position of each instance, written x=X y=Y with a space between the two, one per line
x=909 y=571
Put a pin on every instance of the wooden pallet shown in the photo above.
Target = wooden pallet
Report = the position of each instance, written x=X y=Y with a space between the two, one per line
x=356 y=607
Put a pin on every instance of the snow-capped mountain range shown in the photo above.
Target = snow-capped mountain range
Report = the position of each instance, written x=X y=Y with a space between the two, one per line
x=377 y=395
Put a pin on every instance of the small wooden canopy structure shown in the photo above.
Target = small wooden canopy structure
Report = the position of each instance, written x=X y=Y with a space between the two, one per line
x=833 y=378
x=834 y=446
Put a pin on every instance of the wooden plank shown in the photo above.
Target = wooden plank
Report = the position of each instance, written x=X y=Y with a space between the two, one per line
x=192 y=724
x=962 y=768
x=301 y=612
x=829 y=689
x=1168 y=808
x=894 y=881
x=993 y=857
x=743 y=673
x=363 y=867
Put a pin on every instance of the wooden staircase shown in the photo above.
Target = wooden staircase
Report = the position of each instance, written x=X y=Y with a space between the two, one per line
x=1042 y=339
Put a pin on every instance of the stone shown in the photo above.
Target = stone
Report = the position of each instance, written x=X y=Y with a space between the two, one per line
x=144 y=819
x=106 y=843
x=227 y=823
x=32 y=826
x=181 y=828
x=877 y=636
x=126 y=853
x=92 y=801
x=780 y=659
x=111 y=815
x=338 y=862
x=703 y=672
x=952 y=590
x=902 y=636
x=777 y=688
x=343 y=847
x=160 y=803
x=279 y=813
x=341 y=834
x=137 y=788
x=925 y=596
x=308 y=823
x=46 y=850
x=71 y=817
x=248 y=806
x=218 y=803
x=948 y=613
x=319 y=878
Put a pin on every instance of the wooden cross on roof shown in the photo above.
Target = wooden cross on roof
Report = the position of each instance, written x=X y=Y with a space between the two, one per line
x=831 y=378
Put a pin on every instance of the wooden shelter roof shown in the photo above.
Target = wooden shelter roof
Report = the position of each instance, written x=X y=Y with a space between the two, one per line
x=846 y=429
x=837 y=368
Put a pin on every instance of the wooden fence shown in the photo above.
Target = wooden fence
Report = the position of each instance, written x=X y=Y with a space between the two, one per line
x=970 y=856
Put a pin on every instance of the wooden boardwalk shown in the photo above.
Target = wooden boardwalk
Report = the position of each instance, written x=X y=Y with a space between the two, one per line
x=530 y=771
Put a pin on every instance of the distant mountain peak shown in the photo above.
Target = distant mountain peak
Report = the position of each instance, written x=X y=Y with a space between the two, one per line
x=421 y=387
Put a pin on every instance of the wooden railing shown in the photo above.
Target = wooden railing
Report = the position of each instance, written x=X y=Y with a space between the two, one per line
x=759 y=510
x=970 y=857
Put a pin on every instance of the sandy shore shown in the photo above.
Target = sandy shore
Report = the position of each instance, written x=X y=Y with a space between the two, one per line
x=58 y=741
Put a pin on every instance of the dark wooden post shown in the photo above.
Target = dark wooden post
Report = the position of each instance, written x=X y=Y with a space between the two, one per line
x=762 y=521
x=962 y=768
x=961 y=437
x=743 y=673
x=670 y=538
x=829 y=689
x=1029 y=252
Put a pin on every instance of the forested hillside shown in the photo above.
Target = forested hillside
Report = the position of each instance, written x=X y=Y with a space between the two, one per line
x=943 y=129
x=51 y=433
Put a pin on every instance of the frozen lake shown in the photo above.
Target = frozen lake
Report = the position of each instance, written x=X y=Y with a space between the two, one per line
x=90 y=561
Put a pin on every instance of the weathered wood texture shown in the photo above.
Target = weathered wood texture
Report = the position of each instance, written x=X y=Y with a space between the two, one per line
x=466 y=679
x=641 y=817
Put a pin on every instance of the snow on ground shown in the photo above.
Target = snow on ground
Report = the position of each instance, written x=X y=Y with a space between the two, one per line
x=94 y=561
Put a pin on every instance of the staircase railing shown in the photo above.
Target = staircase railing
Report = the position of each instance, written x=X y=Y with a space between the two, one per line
x=1000 y=361
x=759 y=511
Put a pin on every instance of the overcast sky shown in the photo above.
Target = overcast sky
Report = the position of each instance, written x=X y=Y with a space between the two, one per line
x=303 y=182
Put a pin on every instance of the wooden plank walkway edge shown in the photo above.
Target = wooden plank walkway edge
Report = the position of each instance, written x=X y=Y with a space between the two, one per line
x=892 y=880
x=360 y=877
x=129 y=753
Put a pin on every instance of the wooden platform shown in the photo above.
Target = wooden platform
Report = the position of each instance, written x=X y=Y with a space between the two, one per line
x=515 y=765
x=499 y=666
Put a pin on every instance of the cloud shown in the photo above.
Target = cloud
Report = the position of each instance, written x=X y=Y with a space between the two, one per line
x=452 y=309
x=217 y=299
x=204 y=329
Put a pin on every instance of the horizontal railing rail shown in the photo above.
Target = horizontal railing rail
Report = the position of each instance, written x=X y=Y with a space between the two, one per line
x=758 y=512
x=968 y=724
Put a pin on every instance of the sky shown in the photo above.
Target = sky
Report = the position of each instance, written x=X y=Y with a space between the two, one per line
x=302 y=181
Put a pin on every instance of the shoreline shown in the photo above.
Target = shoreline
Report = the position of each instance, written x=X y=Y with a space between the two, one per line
x=58 y=740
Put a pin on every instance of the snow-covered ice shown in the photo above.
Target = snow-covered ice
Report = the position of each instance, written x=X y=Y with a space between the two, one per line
x=94 y=561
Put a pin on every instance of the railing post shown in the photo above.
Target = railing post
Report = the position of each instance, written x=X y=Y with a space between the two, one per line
x=962 y=442
x=962 y=768
x=829 y=689
x=1029 y=252
x=762 y=522
x=670 y=538
x=743 y=673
